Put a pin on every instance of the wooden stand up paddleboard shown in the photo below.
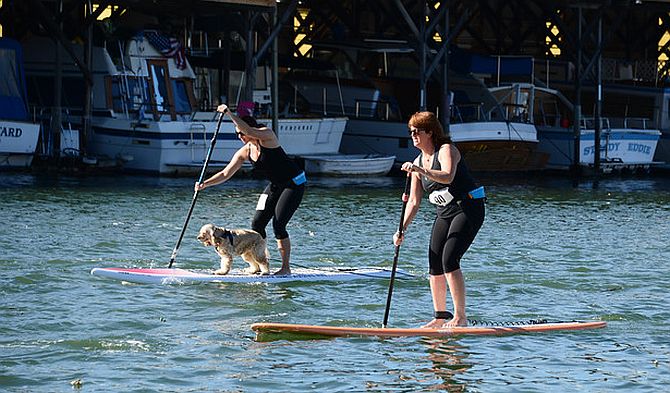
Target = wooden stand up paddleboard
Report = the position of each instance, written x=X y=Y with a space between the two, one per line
x=340 y=331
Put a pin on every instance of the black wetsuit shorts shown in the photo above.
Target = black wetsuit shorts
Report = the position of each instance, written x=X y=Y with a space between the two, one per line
x=453 y=234
x=278 y=202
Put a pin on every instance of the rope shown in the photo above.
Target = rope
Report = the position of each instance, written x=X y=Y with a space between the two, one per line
x=474 y=322
x=350 y=270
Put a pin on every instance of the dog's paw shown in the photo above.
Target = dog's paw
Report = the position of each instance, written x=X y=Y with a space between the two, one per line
x=220 y=272
x=250 y=270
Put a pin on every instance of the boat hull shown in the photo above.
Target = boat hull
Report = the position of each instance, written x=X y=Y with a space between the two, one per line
x=349 y=164
x=169 y=148
x=502 y=156
x=18 y=141
x=618 y=147
x=180 y=147
x=486 y=146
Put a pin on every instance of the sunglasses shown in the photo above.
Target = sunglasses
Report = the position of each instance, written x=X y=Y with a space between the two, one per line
x=415 y=131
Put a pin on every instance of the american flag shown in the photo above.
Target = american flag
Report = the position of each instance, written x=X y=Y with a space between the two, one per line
x=168 y=47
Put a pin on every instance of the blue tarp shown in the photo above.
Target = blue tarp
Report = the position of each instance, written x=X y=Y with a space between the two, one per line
x=466 y=63
x=13 y=104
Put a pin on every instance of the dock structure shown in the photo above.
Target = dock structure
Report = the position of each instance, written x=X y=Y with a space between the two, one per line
x=408 y=49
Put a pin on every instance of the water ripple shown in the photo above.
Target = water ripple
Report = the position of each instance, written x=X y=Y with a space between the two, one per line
x=546 y=250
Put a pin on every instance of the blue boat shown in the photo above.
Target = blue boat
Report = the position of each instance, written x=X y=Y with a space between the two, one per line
x=18 y=136
x=625 y=142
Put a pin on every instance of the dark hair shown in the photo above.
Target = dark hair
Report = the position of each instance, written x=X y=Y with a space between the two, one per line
x=250 y=120
x=428 y=122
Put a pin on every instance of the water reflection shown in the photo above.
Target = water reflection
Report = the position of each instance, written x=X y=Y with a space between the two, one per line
x=448 y=363
x=384 y=182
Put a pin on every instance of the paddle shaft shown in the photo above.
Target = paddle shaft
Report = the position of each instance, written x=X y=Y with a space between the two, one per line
x=405 y=197
x=195 y=193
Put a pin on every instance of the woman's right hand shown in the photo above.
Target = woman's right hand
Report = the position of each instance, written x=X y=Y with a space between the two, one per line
x=222 y=108
x=199 y=186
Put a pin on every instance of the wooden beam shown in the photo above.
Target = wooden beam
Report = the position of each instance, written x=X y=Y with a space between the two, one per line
x=58 y=35
x=257 y=3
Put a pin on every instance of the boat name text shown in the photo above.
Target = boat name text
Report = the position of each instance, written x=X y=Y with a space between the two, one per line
x=591 y=150
x=640 y=148
x=614 y=147
x=11 y=132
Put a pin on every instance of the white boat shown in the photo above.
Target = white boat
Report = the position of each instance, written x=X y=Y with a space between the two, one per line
x=488 y=136
x=488 y=146
x=18 y=136
x=348 y=164
x=624 y=142
x=144 y=115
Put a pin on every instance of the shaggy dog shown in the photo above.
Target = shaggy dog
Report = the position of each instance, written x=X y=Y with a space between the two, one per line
x=243 y=242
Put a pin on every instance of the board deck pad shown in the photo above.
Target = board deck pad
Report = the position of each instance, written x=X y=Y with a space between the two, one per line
x=166 y=276
x=344 y=331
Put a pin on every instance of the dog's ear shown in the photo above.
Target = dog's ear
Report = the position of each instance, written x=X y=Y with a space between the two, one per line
x=217 y=235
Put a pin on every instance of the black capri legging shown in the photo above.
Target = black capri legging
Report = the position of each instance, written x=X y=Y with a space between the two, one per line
x=278 y=202
x=452 y=236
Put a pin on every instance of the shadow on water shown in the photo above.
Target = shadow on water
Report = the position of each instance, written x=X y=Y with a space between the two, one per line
x=542 y=181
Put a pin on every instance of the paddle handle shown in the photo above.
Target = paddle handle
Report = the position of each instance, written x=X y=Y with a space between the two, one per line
x=405 y=198
x=175 y=250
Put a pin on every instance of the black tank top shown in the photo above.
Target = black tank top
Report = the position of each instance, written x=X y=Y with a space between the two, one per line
x=274 y=165
x=462 y=184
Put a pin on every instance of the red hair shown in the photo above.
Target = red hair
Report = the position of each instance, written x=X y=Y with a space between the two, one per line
x=428 y=122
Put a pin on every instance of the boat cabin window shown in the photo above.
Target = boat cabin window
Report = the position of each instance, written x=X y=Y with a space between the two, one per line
x=160 y=93
x=182 y=96
x=161 y=90
x=128 y=93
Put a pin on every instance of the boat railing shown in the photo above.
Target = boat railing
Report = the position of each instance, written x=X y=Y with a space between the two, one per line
x=468 y=112
x=589 y=123
x=131 y=98
x=607 y=123
x=51 y=128
x=371 y=109
x=642 y=123
x=204 y=116
x=198 y=130
x=513 y=112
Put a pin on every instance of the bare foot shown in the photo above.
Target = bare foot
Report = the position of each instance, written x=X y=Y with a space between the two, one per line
x=456 y=321
x=283 y=272
x=434 y=324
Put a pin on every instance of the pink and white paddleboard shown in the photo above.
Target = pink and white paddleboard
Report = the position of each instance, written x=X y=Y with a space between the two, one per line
x=166 y=276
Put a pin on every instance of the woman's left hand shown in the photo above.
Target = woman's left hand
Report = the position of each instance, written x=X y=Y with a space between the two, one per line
x=398 y=238
x=409 y=167
x=222 y=108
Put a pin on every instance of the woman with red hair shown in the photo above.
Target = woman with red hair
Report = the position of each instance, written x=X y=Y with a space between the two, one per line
x=440 y=171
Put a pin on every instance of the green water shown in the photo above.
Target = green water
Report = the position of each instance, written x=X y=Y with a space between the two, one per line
x=547 y=250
